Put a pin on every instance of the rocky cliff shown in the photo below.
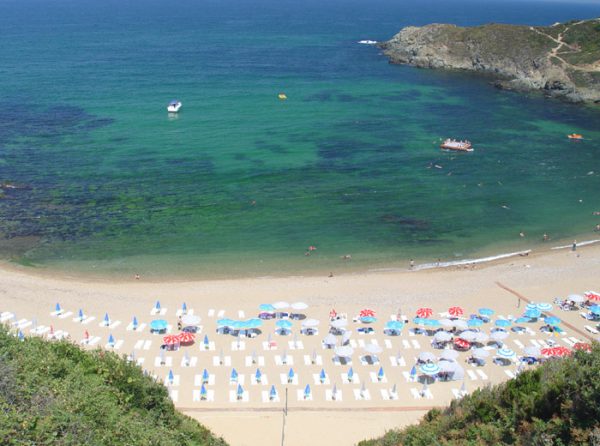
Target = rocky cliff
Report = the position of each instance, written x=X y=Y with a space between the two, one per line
x=561 y=60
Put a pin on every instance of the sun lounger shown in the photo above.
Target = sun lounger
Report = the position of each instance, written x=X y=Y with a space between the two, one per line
x=139 y=345
x=298 y=345
x=57 y=313
x=191 y=362
x=90 y=341
x=472 y=375
x=158 y=311
x=458 y=393
x=174 y=383
x=509 y=373
x=362 y=396
x=355 y=379
x=375 y=380
x=168 y=361
x=140 y=328
x=415 y=344
x=23 y=324
x=221 y=313
x=65 y=314
x=387 y=343
x=238 y=346
x=329 y=395
x=264 y=380
x=406 y=344
x=211 y=312
x=226 y=361
x=116 y=346
x=283 y=378
x=40 y=330
x=518 y=343
x=266 y=397
x=260 y=361
x=6 y=316
x=174 y=394
x=210 y=395
x=481 y=374
x=241 y=314
x=279 y=360
x=233 y=397
x=308 y=360
x=208 y=348
x=387 y=395
x=302 y=397
x=241 y=379
x=269 y=345
x=317 y=380
x=590 y=329
x=418 y=395
x=198 y=380
x=574 y=340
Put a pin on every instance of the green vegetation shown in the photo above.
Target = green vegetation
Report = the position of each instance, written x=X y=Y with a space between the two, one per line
x=585 y=37
x=555 y=404
x=57 y=394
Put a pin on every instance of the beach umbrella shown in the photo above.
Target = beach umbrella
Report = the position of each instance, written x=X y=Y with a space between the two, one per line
x=576 y=298
x=363 y=390
x=544 y=306
x=469 y=336
x=456 y=311
x=522 y=320
x=499 y=335
x=461 y=343
x=291 y=375
x=460 y=324
x=380 y=374
x=205 y=377
x=582 y=346
x=20 y=335
x=307 y=392
x=366 y=312
x=203 y=392
x=284 y=357
x=80 y=315
x=234 y=375
x=442 y=336
x=299 y=306
x=283 y=323
x=449 y=355
x=111 y=340
x=344 y=351
x=157 y=306
x=595 y=309
x=225 y=322
x=134 y=323
x=394 y=325
x=480 y=353
x=474 y=322
x=445 y=322
x=206 y=342
x=332 y=313
x=186 y=358
x=171 y=377
x=184 y=308
x=158 y=325
x=272 y=393
x=424 y=312
x=463 y=388
x=426 y=356
x=334 y=392
x=556 y=351
x=267 y=308
x=240 y=391
x=322 y=376
x=368 y=319
x=532 y=313
x=429 y=369
x=57 y=308
x=372 y=348
x=339 y=323
x=552 y=320
x=186 y=337
x=258 y=375
x=313 y=357
x=310 y=323
x=592 y=295
x=413 y=372
x=503 y=323
x=106 y=319
x=190 y=319
x=532 y=350
x=350 y=374
x=447 y=366
x=394 y=390
x=531 y=306
x=486 y=312
x=86 y=335
x=254 y=323
x=506 y=353
x=281 y=305
x=171 y=340
x=161 y=354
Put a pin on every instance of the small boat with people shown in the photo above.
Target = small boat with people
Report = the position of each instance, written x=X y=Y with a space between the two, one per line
x=459 y=146
x=575 y=136
x=174 y=106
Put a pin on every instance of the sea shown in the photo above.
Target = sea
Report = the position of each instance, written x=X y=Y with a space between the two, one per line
x=344 y=175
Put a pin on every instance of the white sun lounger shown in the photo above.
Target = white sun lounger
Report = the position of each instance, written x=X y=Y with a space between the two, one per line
x=298 y=345
x=91 y=341
x=198 y=380
x=241 y=379
x=329 y=395
x=509 y=373
x=458 y=394
x=289 y=360
x=238 y=346
x=518 y=344
x=158 y=312
x=266 y=397
x=221 y=313
x=406 y=344
x=387 y=395
x=211 y=312
x=415 y=344
x=139 y=329
x=302 y=397
x=317 y=380
x=116 y=346
x=226 y=361
x=264 y=380
x=283 y=378
x=168 y=362
x=406 y=376
x=308 y=360
x=397 y=363
x=233 y=398
x=192 y=362
x=174 y=394
x=417 y=394
x=260 y=361
x=211 y=346
x=472 y=375
x=482 y=374
x=590 y=329
x=269 y=345
x=365 y=396
x=210 y=395
x=175 y=382
x=65 y=315
x=375 y=380
x=387 y=343
x=6 y=316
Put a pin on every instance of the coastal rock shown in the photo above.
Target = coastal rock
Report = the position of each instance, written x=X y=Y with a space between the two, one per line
x=561 y=60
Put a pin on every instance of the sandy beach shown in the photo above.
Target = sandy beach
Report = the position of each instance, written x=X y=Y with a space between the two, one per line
x=32 y=296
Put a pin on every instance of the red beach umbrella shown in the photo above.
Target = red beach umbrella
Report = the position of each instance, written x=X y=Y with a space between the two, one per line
x=592 y=296
x=556 y=351
x=86 y=334
x=332 y=313
x=582 y=346
x=461 y=343
x=424 y=312
x=456 y=311
x=171 y=340
x=366 y=312
x=186 y=338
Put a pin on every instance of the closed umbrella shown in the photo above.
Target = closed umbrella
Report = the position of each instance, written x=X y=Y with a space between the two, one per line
x=203 y=392
x=307 y=392
x=205 y=377
x=106 y=319
x=350 y=374
x=322 y=376
x=80 y=315
x=57 y=308
x=234 y=375
x=157 y=306
x=272 y=393
x=171 y=377
x=111 y=340
x=258 y=375
x=134 y=323
x=380 y=374
x=240 y=391
x=291 y=375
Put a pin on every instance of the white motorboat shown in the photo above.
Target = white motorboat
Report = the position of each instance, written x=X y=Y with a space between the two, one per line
x=174 y=106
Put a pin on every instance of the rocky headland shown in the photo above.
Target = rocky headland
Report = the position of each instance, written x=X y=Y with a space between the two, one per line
x=562 y=60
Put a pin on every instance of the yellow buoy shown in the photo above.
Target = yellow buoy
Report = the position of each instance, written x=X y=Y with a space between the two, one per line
x=282 y=96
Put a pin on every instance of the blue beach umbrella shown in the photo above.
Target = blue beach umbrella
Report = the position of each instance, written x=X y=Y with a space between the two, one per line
x=267 y=308
x=503 y=323
x=522 y=320
x=595 y=309
x=307 y=392
x=206 y=341
x=171 y=377
x=240 y=391
x=474 y=322
x=272 y=393
x=368 y=319
x=486 y=312
x=158 y=324
x=283 y=323
x=205 y=377
x=20 y=335
x=505 y=353
x=254 y=323
x=531 y=305
x=431 y=323
x=394 y=325
x=413 y=372
x=350 y=374
x=380 y=374
x=184 y=308
x=552 y=320
x=106 y=319
x=322 y=376
x=203 y=392
x=57 y=308
x=157 y=306
x=258 y=375
x=544 y=306
x=234 y=375
x=226 y=322
x=291 y=375
x=430 y=369
x=533 y=313
x=134 y=323
x=111 y=339
x=80 y=314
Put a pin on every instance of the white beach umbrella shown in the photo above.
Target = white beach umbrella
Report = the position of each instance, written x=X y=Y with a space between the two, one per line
x=481 y=337
x=346 y=337
x=281 y=305
x=426 y=356
x=310 y=323
x=190 y=319
x=447 y=366
x=449 y=355
x=299 y=306
x=480 y=353
x=577 y=298
x=499 y=335
x=468 y=335
x=532 y=350
x=344 y=352
x=446 y=323
x=339 y=323
x=442 y=336
x=460 y=324
x=373 y=349
x=330 y=340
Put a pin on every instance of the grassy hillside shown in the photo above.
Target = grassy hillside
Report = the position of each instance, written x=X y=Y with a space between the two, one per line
x=58 y=394
x=555 y=404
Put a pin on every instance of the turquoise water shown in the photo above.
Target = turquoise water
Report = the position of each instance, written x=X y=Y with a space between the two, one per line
x=241 y=182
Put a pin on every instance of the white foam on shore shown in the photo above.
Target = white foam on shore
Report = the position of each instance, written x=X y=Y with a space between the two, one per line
x=584 y=243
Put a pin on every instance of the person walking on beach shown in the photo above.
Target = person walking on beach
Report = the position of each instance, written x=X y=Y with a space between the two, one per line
x=179 y=324
x=412 y=263
x=574 y=247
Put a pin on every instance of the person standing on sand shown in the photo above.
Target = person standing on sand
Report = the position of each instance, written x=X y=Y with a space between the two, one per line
x=574 y=247
x=412 y=263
